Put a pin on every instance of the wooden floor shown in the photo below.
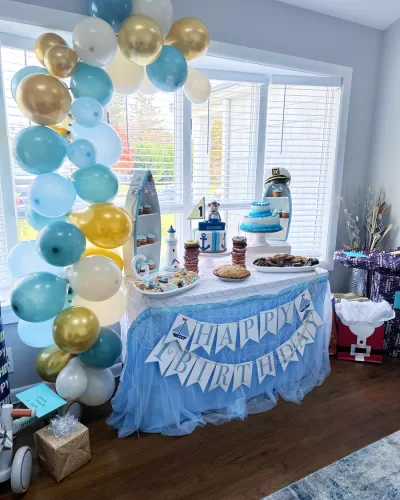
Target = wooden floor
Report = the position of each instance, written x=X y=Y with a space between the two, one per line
x=357 y=405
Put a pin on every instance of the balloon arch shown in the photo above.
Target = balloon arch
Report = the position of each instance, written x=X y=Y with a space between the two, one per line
x=68 y=295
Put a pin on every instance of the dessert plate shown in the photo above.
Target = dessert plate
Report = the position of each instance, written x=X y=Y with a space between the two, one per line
x=236 y=280
x=266 y=269
x=170 y=293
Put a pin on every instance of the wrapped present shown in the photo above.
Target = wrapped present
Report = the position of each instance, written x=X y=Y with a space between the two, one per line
x=391 y=345
x=63 y=455
x=333 y=339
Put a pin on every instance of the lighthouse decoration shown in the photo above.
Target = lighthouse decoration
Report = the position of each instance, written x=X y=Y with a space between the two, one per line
x=171 y=260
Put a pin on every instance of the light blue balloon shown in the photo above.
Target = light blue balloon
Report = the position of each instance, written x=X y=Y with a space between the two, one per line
x=51 y=195
x=61 y=243
x=82 y=153
x=36 y=334
x=104 y=138
x=90 y=81
x=38 y=221
x=105 y=351
x=24 y=259
x=21 y=74
x=38 y=297
x=95 y=184
x=87 y=112
x=169 y=72
x=39 y=150
x=112 y=11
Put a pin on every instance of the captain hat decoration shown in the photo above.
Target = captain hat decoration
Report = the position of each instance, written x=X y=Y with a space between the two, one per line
x=44 y=98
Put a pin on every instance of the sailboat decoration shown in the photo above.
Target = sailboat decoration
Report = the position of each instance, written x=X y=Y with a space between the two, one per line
x=304 y=303
x=181 y=332
x=199 y=211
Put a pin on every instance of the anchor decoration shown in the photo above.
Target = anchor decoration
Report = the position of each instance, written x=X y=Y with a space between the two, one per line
x=203 y=239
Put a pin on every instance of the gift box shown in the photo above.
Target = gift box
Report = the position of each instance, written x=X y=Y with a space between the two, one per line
x=391 y=345
x=333 y=339
x=61 y=456
x=348 y=348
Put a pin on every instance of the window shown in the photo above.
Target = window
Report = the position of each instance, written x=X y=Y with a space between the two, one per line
x=220 y=149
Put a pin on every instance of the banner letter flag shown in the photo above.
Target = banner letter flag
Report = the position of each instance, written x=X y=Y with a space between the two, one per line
x=242 y=375
x=164 y=354
x=285 y=314
x=286 y=353
x=304 y=303
x=268 y=322
x=181 y=330
x=182 y=365
x=203 y=336
x=222 y=377
x=301 y=338
x=226 y=336
x=201 y=373
x=265 y=366
x=248 y=330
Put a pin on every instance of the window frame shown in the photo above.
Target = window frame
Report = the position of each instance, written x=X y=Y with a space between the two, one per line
x=39 y=19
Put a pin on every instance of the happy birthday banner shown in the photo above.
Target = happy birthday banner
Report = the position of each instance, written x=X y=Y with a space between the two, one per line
x=176 y=357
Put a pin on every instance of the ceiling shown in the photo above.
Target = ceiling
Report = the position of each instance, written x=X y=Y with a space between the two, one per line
x=378 y=14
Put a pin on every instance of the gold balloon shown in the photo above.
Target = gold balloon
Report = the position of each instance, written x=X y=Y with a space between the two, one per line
x=45 y=42
x=43 y=99
x=106 y=253
x=50 y=361
x=190 y=36
x=76 y=329
x=62 y=131
x=61 y=61
x=103 y=224
x=140 y=39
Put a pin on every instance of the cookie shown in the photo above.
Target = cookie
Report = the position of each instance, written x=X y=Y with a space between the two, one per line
x=233 y=272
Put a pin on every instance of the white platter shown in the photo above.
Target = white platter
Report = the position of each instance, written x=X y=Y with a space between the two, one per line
x=171 y=293
x=284 y=270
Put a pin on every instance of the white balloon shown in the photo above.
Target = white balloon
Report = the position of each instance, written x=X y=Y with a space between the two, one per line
x=104 y=138
x=94 y=41
x=100 y=387
x=125 y=74
x=72 y=380
x=146 y=87
x=95 y=278
x=108 y=311
x=197 y=87
x=159 y=10
x=24 y=259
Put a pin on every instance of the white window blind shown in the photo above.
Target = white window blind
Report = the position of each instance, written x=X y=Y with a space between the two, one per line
x=301 y=136
x=224 y=140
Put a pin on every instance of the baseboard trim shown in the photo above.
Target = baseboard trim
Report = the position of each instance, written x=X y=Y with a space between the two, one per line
x=116 y=370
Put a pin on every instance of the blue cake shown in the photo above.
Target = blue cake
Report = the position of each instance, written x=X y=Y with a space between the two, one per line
x=261 y=219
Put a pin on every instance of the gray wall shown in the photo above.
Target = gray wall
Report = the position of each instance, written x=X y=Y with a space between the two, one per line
x=277 y=27
x=385 y=157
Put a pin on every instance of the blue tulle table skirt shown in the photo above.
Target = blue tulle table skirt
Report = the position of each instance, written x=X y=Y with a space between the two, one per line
x=149 y=402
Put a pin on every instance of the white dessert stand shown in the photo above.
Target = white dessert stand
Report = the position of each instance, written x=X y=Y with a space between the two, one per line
x=212 y=260
x=258 y=246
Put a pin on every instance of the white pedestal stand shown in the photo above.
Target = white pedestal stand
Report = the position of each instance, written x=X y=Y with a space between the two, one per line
x=212 y=260
x=258 y=246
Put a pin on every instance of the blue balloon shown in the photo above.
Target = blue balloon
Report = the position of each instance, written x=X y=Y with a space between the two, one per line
x=105 y=351
x=82 y=153
x=38 y=221
x=169 y=72
x=90 y=81
x=87 y=112
x=39 y=150
x=21 y=74
x=51 y=195
x=36 y=334
x=112 y=11
x=24 y=259
x=105 y=139
x=39 y=296
x=61 y=244
x=95 y=184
